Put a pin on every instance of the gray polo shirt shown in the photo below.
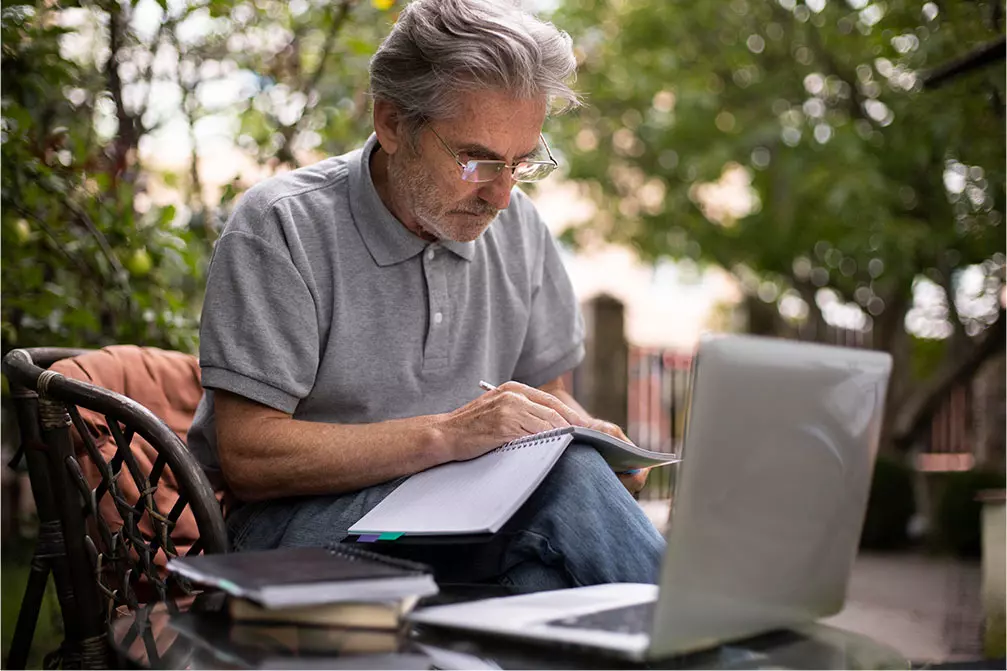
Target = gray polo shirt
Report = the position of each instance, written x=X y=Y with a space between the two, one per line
x=321 y=304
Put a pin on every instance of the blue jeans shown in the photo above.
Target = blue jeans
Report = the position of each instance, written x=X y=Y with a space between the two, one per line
x=580 y=527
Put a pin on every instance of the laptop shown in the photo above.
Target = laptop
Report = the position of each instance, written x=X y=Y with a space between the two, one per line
x=768 y=506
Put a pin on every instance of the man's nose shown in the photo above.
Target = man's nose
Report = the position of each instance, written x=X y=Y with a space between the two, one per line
x=497 y=192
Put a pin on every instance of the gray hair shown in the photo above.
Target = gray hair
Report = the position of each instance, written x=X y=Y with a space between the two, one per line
x=439 y=48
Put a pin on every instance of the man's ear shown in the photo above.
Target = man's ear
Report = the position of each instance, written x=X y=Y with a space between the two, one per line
x=388 y=126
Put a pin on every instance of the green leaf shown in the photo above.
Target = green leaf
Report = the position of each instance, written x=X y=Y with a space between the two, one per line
x=167 y=215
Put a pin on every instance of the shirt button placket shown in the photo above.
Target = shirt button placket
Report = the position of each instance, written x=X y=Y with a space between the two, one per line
x=435 y=353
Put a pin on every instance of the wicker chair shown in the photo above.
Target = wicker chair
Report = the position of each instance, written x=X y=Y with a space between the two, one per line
x=106 y=540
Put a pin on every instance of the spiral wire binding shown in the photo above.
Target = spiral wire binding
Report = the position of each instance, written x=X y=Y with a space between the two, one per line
x=534 y=439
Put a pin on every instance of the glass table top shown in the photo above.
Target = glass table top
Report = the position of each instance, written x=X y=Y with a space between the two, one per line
x=205 y=637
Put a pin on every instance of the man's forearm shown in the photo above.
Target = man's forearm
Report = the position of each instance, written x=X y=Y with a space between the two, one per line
x=267 y=455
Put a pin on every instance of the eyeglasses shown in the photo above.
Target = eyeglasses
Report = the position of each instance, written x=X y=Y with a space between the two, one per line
x=487 y=171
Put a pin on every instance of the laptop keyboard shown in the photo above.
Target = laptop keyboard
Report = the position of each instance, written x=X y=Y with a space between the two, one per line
x=635 y=619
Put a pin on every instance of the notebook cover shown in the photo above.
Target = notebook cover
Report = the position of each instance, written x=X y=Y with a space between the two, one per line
x=252 y=571
x=446 y=539
x=476 y=496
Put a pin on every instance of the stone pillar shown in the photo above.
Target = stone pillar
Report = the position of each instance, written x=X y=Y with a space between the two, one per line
x=603 y=380
x=994 y=561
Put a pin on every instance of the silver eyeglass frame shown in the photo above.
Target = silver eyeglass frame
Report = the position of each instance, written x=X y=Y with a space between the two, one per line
x=468 y=166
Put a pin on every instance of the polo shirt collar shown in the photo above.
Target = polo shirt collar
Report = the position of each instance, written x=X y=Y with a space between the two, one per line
x=388 y=241
x=465 y=250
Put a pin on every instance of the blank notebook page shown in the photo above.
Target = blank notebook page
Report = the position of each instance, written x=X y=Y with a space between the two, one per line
x=475 y=496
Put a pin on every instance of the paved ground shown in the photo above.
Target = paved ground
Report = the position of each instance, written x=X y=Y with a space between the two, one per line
x=927 y=608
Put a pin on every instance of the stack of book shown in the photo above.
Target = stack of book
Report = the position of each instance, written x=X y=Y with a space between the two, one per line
x=339 y=598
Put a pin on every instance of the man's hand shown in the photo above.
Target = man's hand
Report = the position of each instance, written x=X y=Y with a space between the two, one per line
x=631 y=480
x=514 y=410
x=510 y=411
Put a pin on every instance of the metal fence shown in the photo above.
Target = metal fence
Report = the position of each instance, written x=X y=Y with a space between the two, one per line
x=659 y=382
x=950 y=444
x=658 y=385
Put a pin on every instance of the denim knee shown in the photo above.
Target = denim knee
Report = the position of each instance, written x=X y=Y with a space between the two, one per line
x=259 y=525
x=590 y=519
x=582 y=473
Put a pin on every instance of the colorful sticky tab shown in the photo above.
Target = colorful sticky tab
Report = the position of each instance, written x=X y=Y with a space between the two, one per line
x=390 y=536
x=368 y=538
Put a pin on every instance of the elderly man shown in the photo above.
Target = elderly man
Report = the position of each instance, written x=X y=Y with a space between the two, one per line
x=352 y=307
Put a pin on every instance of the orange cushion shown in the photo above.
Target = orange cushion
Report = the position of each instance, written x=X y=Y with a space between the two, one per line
x=166 y=383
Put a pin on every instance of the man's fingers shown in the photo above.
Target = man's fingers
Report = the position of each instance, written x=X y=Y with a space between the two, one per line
x=540 y=397
x=554 y=419
x=531 y=424
x=609 y=428
x=634 y=481
x=529 y=415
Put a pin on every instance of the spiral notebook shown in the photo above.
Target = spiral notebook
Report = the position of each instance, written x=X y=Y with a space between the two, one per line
x=292 y=577
x=478 y=496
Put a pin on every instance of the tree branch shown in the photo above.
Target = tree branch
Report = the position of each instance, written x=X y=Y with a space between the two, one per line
x=330 y=41
x=920 y=406
x=195 y=196
x=126 y=138
x=82 y=268
x=99 y=237
x=146 y=73
x=339 y=16
x=978 y=57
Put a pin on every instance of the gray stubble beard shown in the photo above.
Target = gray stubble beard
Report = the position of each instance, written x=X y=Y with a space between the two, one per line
x=415 y=189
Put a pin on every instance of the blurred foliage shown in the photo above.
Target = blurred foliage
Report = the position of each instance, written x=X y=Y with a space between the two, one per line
x=49 y=628
x=926 y=355
x=80 y=264
x=104 y=242
x=794 y=144
x=958 y=515
x=890 y=506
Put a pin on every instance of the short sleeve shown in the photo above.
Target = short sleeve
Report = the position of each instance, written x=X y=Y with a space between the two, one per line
x=259 y=329
x=554 y=341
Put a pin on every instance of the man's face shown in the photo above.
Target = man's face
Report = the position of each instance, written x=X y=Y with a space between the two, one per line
x=428 y=183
